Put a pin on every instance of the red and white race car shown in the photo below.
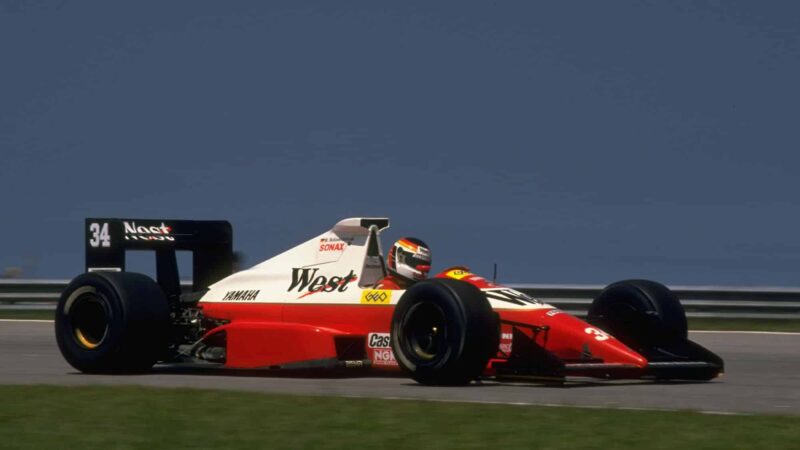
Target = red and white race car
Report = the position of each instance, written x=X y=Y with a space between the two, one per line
x=314 y=307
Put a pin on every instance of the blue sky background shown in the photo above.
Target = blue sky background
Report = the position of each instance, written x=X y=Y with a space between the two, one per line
x=569 y=142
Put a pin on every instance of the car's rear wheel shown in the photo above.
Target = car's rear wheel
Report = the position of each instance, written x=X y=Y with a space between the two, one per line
x=444 y=332
x=112 y=322
x=640 y=313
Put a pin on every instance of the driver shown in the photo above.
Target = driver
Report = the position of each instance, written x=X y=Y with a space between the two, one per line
x=409 y=261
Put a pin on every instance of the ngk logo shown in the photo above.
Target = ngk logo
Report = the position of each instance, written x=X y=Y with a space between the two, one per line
x=383 y=357
x=147 y=233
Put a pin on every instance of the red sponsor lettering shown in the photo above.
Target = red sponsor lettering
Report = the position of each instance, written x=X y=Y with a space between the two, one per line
x=332 y=247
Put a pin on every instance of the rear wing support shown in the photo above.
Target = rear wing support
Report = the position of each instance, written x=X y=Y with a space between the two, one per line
x=210 y=241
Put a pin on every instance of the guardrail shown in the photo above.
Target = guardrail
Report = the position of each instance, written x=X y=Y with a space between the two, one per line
x=36 y=294
x=699 y=301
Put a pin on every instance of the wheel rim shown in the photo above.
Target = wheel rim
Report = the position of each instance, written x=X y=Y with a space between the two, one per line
x=89 y=319
x=425 y=331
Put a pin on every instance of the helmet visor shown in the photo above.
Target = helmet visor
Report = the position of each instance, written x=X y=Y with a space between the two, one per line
x=414 y=261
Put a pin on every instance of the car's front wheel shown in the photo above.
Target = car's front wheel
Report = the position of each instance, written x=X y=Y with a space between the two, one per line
x=444 y=332
x=640 y=313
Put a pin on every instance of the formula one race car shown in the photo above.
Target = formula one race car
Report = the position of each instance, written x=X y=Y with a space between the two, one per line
x=314 y=307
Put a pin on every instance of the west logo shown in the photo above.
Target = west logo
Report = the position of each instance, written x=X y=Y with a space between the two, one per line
x=147 y=233
x=307 y=280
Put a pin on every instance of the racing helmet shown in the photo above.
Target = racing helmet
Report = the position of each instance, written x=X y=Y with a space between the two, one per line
x=410 y=258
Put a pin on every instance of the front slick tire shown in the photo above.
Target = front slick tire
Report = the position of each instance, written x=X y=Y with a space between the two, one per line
x=640 y=313
x=112 y=322
x=444 y=332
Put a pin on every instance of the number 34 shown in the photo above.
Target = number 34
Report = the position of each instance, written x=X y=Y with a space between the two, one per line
x=100 y=236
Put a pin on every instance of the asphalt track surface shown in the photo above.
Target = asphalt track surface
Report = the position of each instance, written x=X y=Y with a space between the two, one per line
x=762 y=376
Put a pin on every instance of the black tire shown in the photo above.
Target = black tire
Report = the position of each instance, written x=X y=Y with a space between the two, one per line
x=640 y=313
x=110 y=322
x=444 y=332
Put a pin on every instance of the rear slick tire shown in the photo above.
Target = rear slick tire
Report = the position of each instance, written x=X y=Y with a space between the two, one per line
x=444 y=332
x=112 y=322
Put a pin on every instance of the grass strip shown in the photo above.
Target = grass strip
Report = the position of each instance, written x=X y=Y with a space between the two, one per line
x=147 y=418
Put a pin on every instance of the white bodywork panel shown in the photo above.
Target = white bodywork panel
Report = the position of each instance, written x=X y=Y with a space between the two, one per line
x=336 y=267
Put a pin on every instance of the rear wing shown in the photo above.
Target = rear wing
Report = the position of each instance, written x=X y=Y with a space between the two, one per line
x=210 y=241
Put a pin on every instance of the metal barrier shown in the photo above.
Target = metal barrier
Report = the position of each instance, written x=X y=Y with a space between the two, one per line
x=14 y=291
x=699 y=301
x=36 y=294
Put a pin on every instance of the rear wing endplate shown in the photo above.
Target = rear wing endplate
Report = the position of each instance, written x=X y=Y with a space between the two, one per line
x=210 y=241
